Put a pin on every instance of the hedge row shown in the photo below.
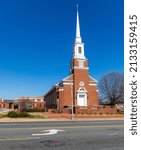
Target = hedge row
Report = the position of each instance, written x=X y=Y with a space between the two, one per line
x=13 y=114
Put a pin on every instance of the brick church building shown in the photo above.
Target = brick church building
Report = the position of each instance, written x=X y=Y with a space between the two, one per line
x=79 y=89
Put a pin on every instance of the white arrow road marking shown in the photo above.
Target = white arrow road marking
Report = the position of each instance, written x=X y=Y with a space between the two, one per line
x=48 y=132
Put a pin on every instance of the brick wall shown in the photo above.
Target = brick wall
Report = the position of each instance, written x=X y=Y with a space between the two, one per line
x=32 y=102
x=95 y=109
x=6 y=104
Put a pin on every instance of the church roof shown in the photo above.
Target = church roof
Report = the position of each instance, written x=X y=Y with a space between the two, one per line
x=91 y=79
x=68 y=78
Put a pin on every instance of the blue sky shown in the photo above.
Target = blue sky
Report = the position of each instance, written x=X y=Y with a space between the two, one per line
x=37 y=37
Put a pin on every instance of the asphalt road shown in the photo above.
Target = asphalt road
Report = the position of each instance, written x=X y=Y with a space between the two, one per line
x=89 y=135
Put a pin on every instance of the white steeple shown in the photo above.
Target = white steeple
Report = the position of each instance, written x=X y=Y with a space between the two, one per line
x=78 y=51
x=78 y=37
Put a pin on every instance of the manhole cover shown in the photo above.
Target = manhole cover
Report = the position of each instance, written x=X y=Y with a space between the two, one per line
x=53 y=143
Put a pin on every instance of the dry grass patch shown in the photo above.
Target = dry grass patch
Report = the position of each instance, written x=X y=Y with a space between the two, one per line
x=3 y=114
x=37 y=115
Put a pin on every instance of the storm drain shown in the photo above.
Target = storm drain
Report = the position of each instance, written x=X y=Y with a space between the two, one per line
x=53 y=143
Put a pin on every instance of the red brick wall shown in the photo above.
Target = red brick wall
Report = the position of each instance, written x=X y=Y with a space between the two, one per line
x=93 y=95
x=51 y=99
x=95 y=109
x=37 y=105
x=31 y=103
x=67 y=95
x=6 y=105
x=63 y=90
x=82 y=75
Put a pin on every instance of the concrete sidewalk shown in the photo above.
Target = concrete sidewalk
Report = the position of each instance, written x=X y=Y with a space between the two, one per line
x=69 y=116
x=65 y=117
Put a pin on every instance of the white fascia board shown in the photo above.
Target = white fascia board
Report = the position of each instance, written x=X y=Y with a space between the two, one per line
x=91 y=84
x=93 y=78
x=67 y=83
x=81 y=68
x=67 y=77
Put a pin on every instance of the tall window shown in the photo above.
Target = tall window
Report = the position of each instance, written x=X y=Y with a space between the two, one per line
x=79 y=50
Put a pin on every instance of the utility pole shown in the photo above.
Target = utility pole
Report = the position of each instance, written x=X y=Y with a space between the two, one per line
x=72 y=114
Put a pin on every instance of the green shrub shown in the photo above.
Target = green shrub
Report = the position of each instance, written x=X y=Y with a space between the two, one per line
x=23 y=115
x=12 y=114
x=36 y=110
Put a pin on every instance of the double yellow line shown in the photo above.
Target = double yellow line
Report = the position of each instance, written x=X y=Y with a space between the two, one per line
x=19 y=139
x=64 y=127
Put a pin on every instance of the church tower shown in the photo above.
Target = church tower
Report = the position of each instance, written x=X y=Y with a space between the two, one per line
x=78 y=89
x=79 y=70
x=78 y=58
x=78 y=51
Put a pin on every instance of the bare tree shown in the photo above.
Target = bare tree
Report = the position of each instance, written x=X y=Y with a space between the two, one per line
x=24 y=105
x=111 y=88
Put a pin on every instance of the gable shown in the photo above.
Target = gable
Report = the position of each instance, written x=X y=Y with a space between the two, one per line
x=91 y=79
x=69 y=78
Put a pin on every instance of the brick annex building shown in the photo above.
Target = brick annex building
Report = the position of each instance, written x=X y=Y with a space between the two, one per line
x=24 y=102
x=79 y=88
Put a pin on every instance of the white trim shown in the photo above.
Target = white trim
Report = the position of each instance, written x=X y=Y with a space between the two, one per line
x=67 y=83
x=67 y=77
x=57 y=84
x=82 y=91
x=81 y=83
x=92 y=84
x=81 y=59
x=60 y=90
x=93 y=78
x=76 y=67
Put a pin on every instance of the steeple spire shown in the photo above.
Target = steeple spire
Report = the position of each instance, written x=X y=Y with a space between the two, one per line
x=78 y=37
x=78 y=50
